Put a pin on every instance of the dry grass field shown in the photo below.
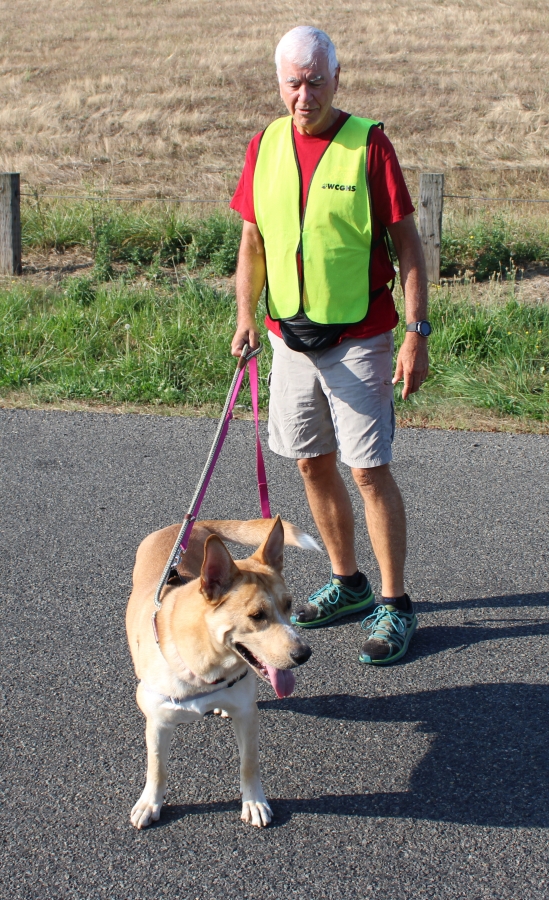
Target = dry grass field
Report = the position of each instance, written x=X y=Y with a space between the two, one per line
x=159 y=98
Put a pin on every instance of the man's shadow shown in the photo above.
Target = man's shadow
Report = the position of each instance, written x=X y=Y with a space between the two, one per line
x=431 y=639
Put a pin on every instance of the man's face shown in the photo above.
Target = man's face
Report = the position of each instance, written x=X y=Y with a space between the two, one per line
x=308 y=94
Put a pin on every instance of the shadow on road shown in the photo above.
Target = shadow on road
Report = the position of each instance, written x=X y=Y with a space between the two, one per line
x=487 y=765
x=506 y=601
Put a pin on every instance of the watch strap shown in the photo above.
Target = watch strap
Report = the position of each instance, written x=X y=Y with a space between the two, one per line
x=417 y=327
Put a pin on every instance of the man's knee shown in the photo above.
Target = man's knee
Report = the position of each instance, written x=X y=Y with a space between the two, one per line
x=374 y=480
x=317 y=467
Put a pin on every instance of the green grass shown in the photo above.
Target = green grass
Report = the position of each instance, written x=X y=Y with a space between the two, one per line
x=127 y=333
x=139 y=235
x=490 y=355
x=118 y=342
x=168 y=344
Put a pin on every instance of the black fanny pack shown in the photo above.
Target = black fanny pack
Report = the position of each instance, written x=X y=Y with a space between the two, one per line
x=304 y=336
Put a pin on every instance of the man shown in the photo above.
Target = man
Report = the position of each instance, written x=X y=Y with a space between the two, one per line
x=318 y=192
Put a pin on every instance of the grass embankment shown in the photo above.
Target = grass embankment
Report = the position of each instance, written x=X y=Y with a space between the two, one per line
x=132 y=235
x=145 y=325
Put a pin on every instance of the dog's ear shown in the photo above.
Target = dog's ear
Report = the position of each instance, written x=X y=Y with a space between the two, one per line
x=218 y=569
x=271 y=552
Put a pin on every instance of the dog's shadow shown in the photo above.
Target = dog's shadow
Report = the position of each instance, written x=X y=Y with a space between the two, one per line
x=487 y=764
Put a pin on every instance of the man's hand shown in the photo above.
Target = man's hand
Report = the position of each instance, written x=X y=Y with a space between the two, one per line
x=246 y=333
x=412 y=363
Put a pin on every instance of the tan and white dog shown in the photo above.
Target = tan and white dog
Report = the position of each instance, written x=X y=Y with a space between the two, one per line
x=221 y=620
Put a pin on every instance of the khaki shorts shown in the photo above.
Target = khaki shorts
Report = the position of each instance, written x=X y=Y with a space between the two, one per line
x=339 y=398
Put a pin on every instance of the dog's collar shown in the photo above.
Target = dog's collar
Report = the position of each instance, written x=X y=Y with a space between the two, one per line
x=174 y=578
x=180 y=701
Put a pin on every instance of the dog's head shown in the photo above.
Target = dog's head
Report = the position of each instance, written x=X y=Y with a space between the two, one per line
x=250 y=609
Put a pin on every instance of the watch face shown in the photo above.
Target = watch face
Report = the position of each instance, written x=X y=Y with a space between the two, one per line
x=424 y=328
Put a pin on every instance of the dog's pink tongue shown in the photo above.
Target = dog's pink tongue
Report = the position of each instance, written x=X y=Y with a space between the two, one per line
x=283 y=681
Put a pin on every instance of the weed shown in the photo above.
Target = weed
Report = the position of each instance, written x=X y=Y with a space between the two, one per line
x=143 y=235
x=140 y=236
x=81 y=291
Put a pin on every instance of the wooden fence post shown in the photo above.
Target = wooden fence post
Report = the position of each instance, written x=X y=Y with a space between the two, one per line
x=431 y=191
x=10 y=224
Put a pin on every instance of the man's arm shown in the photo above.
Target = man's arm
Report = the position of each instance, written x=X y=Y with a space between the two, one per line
x=250 y=279
x=412 y=360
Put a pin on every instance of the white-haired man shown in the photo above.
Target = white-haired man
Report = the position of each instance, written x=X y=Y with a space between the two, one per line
x=319 y=191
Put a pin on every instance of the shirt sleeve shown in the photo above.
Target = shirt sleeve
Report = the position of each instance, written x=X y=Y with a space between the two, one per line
x=391 y=201
x=243 y=197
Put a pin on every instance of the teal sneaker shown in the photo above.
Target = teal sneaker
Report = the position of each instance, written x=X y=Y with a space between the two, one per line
x=389 y=631
x=333 y=601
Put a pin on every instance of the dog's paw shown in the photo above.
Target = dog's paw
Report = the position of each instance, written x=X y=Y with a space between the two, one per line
x=221 y=712
x=256 y=813
x=146 y=810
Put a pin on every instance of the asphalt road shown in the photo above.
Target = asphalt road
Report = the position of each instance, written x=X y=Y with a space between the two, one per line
x=428 y=779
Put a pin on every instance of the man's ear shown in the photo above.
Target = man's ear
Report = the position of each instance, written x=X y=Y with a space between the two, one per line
x=271 y=552
x=218 y=569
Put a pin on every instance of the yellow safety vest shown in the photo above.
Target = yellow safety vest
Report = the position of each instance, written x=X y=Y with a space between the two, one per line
x=334 y=234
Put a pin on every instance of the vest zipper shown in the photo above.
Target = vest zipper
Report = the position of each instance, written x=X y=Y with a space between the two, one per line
x=302 y=222
x=299 y=249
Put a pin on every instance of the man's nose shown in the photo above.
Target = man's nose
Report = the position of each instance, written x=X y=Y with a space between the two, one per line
x=305 y=93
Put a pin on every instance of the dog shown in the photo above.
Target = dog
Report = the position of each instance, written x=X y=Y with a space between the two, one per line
x=221 y=621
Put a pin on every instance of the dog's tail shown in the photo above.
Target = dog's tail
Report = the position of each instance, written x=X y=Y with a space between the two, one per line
x=254 y=532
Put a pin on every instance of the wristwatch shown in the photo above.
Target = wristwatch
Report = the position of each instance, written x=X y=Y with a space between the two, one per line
x=423 y=327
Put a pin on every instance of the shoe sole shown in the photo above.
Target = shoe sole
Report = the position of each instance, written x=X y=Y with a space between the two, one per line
x=345 y=611
x=396 y=656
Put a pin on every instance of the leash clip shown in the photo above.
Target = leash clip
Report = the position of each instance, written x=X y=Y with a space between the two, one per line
x=247 y=354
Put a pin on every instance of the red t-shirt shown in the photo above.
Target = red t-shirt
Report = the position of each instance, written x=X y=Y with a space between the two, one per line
x=390 y=203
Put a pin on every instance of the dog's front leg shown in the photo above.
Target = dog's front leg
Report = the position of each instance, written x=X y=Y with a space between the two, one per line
x=147 y=809
x=255 y=808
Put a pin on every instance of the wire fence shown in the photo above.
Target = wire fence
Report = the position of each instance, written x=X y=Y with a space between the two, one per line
x=97 y=198
x=224 y=200
x=493 y=199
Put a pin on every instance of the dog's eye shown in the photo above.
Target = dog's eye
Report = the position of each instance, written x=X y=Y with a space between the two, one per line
x=257 y=616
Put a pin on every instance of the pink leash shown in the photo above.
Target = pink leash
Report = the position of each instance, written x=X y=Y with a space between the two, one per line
x=247 y=359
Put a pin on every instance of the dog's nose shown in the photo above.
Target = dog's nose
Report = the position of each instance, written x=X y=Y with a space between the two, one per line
x=301 y=655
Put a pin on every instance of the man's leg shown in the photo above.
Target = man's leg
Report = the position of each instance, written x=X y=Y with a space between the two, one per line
x=331 y=508
x=391 y=626
x=386 y=521
x=348 y=591
x=333 y=514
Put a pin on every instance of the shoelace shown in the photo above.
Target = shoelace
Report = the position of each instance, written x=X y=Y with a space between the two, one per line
x=382 y=615
x=322 y=596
